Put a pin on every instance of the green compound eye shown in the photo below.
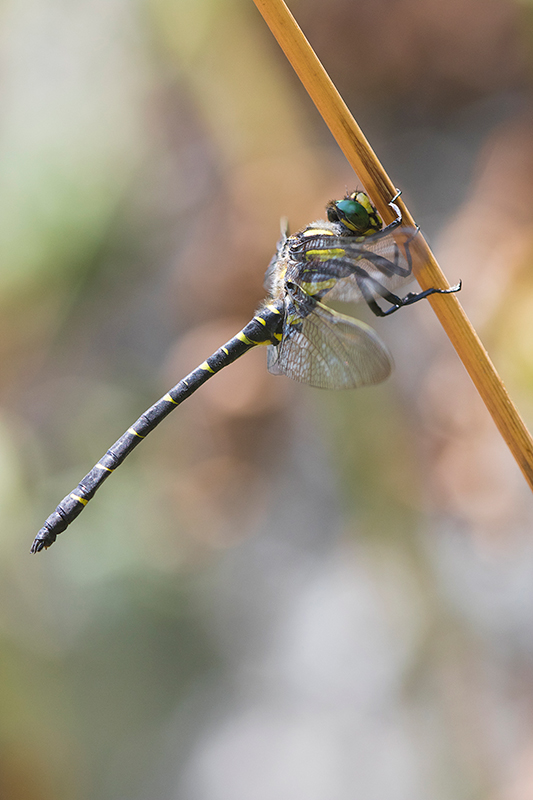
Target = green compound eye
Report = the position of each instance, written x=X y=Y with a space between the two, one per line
x=353 y=215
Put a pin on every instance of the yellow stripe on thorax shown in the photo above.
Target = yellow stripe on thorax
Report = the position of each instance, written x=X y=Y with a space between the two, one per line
x=325 y=255
x=313 y=287
x=317 y=232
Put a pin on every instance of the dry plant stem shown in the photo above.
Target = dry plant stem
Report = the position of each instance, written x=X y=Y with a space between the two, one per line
x=378 y=185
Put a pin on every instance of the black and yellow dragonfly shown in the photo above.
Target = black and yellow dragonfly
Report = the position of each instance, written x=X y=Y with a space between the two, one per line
x=348 y=257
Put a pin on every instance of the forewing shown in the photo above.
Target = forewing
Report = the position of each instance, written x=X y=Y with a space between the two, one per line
x=383 y=258
x=331 y=351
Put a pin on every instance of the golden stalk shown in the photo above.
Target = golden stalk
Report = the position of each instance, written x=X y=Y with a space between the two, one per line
x=380 y=188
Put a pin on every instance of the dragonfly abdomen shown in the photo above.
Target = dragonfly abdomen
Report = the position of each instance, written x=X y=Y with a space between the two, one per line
x=264 y=328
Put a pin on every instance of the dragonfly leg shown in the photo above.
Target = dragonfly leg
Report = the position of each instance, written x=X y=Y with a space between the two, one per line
x=414 y=297
x=369 y=287
x=398 y=221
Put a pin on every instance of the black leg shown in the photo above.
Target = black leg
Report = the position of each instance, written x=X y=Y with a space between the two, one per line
x=369 y=287
x=414 y=297
x=398 y=221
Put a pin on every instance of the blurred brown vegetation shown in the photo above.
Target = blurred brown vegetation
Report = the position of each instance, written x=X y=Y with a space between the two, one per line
x=284 y=593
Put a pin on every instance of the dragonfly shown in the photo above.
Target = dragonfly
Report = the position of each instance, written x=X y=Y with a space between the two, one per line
x=350 y=256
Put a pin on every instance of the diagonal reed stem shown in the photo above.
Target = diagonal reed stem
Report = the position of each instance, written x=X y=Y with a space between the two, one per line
x=378 y=185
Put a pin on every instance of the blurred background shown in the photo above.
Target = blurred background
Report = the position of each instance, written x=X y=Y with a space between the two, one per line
x=284 y=593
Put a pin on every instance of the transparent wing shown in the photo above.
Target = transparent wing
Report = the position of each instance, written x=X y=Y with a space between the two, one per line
x=385 y=259
x=330 y=351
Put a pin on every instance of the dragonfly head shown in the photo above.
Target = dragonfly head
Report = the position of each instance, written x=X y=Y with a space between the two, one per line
x=356 y=213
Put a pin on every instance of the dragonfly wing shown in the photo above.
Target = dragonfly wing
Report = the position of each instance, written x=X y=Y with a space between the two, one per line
x=385 y=259
x=331 y=351
x=273 y=360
